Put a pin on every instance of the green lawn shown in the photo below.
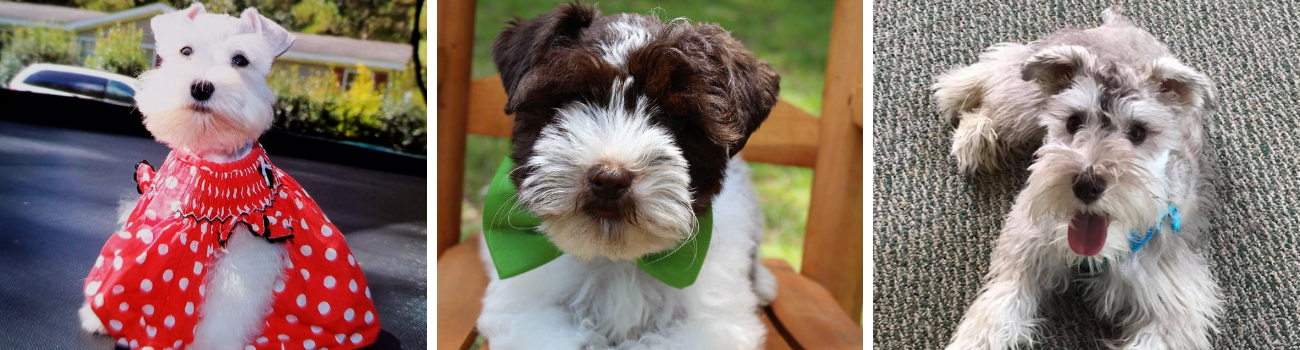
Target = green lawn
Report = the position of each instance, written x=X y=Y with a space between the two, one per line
x=791 y=35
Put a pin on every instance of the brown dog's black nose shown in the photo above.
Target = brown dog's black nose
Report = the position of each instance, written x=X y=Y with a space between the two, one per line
x=1088 y=188
x=202 y=90
x=608 y=182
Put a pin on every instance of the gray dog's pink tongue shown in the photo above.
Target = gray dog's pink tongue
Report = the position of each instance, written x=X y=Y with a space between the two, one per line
x=1087 y=233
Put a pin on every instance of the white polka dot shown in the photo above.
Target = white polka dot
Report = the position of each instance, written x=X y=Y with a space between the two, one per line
x=306 y=250
x=209 y=250
x=202 y=288
x=189 y=308
x=262 y=340
x=140 y=259
x=185 y=282
x=198 y=267
x=183 y=236
x=302 y=300
x=146 y=285
x=124 y=235
x=291 y=318
x=316 y=329
x=352 y=261
x=169 y=321
x=176 y=345
x=152 y=215
x=303 y=223
x=353 y=286
x=115 y=324
x=162 y=249
x=305 y=275
x=203 y=227
x=193 y=170
x=141 y=321
x=117 y=262
x=151 y=331
x=356 y=338
x=118 y=289
x=279 y=286
x=309 y=344
x=123 y=307
x=194 y=246
x=283 y=337
x=145 y=235
x=272 y=220
x=367 y=292
x=331 y=254
x=326 y=231
x=171 y=182
x=99 y=299
x=298 y=203
x=135 y=344
x=93 y=287
x=283 y=195
x=99 y=261
x=167 y=275
x=323 y=307
x=256 y=228
x=148 y=310
x=370 y=317
x=348 y=315
x=329 y=282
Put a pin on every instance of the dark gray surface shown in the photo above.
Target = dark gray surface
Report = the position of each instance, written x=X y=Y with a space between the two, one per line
x=934 y=229
x=59 y=191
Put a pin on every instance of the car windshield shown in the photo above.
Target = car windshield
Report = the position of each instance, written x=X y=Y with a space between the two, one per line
x=119 y=92
x=74 y=83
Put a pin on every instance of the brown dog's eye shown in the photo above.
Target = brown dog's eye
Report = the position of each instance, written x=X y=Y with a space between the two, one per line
x=239 y=61
x=1137 y=133
x=1075 y=122
x=186 y=51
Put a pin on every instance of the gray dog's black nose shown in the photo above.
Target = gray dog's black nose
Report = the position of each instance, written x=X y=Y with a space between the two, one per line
x=1088 y=188
x=202 y=90
x=607 y=182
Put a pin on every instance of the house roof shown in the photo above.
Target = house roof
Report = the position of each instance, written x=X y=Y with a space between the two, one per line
x=36 y=14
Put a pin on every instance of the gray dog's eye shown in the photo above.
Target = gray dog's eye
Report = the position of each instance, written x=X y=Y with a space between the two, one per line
x=239 y=61
x=1075 y=122
x=186 y=51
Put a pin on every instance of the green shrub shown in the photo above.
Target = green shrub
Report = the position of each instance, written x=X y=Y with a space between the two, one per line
x=118 y=50
x=316 y=105
x=24 y=46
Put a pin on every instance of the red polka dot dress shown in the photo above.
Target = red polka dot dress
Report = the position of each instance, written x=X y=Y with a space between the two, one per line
x=149 y=282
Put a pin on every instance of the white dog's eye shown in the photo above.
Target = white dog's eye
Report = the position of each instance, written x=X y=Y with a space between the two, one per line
x=186 y=51
x=239 y=61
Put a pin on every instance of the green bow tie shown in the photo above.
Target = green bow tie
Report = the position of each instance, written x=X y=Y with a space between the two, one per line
x=517 y=247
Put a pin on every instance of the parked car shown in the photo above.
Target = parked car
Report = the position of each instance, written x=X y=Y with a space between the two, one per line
x=55 y=79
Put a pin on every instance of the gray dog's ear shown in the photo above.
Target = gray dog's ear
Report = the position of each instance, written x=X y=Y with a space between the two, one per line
x=279 y=39
x=1181 y=85
x=1054 y=68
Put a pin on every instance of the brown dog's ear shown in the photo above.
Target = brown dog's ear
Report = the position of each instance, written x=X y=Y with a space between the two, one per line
x=1181 y=85
x=702 y=74
x=523 y=44
x=1054 y=68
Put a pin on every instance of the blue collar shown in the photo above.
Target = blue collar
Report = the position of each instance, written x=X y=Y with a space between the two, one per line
x=1136 y=241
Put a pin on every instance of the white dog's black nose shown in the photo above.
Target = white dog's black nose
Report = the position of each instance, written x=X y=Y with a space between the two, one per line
x=1088 y=188
x=202 y=90
x=608 y=182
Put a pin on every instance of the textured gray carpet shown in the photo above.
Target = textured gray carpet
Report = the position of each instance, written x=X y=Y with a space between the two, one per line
x=934 y=229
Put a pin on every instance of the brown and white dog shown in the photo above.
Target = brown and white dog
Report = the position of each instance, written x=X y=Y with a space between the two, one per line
x=626 y=129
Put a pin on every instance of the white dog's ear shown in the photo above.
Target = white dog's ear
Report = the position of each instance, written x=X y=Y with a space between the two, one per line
x=279 y=39
x=1054 y=68
x=1181 y=85
x=166 y=23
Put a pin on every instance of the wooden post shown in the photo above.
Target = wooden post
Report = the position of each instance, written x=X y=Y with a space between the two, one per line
x=833 y=243
x=455 y=50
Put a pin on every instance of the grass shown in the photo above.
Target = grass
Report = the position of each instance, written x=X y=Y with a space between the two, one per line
x=791 y=35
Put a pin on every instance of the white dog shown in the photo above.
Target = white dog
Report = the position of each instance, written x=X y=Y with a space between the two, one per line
x=223 y=250
x=1117 y=191
x=625 y=132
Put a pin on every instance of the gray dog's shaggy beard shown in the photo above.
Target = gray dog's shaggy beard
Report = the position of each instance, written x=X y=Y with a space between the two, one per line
x=1121 y=124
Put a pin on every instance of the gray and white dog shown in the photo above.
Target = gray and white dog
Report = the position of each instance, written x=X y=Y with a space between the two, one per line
x=1117 y=196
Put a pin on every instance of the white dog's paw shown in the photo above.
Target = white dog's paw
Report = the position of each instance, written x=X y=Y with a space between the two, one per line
x=89 y=321
x=764 y=284
x=975 y=144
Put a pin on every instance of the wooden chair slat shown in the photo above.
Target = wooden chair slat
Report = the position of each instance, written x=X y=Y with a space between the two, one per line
x=462 y=281
x=809 y=313
x=456 y=43
x=856 y=107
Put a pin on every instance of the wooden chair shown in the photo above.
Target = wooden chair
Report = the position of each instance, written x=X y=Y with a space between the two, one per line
x=816 y=308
